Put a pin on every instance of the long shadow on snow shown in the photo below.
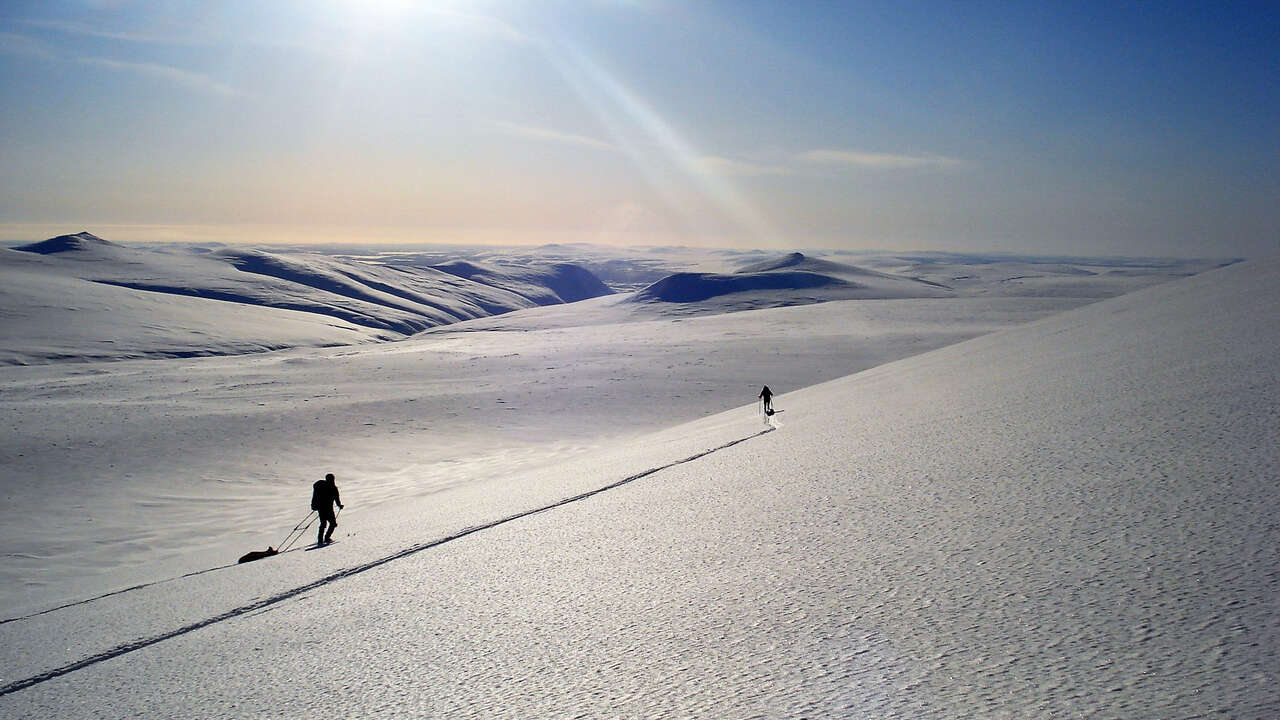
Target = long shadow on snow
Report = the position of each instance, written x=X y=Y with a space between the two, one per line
x=402 y=327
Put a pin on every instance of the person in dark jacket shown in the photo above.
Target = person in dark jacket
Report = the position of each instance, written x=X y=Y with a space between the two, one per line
x=767 y=395
x=323 y=496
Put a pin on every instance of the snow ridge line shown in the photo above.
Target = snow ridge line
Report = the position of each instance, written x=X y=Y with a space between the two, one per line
x=345 y=573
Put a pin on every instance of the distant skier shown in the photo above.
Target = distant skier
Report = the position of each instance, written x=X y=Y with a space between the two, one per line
x=323 y=496
x=767 y=396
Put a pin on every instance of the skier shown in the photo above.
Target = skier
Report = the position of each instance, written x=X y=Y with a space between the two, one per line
x=324 y=493
x=767 y=395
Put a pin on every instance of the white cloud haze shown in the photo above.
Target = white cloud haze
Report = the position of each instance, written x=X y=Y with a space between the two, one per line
x=878 y=160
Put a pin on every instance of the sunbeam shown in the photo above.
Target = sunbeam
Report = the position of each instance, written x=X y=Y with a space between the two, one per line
x=640 y=130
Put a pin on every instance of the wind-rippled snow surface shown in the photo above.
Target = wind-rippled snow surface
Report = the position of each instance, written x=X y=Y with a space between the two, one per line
x=1071 y=518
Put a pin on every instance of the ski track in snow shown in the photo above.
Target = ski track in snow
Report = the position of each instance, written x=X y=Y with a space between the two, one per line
x=114 y=593
x=148 y=469
x=345 y=573
x=1071 y=519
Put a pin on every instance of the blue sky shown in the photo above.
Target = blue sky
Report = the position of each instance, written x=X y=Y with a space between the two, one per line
x=1107 y=128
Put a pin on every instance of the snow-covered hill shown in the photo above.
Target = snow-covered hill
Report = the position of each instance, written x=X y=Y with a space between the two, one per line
x=545 y=284
x=1073 y=517
x=76 y=242
x=74 y=306
x=80 y=297
x=799 y=262
x=791 y=280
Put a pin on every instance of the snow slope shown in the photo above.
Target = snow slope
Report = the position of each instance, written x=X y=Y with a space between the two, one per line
x=546 y=284
x=1029 y=276
x=49 y=314
x=124 y=472
x=791 y=280
x=77 y=297
x=141 y=470
x=1073 y=517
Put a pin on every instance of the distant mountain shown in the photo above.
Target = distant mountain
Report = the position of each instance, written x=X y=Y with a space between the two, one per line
x=795 y=261
x=801 y=262
x=790 y=280
x=83 y=240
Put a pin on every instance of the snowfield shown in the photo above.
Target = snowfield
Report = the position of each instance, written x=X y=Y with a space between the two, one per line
x=1067 y=517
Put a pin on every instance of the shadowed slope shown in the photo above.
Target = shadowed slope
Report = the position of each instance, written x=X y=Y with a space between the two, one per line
x=791 y=280
x=696 y=287
x=116 y=302
x=84 y=240
x=544 y=284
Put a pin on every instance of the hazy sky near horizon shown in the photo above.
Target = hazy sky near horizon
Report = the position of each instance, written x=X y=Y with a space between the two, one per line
x=1074 y=127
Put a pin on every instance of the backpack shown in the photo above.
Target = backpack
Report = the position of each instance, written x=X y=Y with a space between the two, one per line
x=320 y=493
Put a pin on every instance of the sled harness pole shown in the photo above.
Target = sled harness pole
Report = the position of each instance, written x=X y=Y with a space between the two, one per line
x=291 y=538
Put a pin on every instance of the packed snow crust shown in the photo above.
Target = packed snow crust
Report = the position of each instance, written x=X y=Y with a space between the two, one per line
x=1069 y=518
